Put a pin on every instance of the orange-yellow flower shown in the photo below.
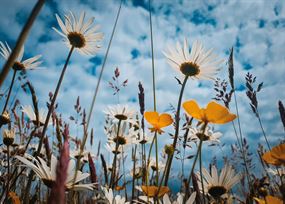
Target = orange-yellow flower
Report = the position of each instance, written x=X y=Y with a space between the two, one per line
x=213 y=113
x=158 y=121
x=276 y=156
x=269 y=200
x=152 y=191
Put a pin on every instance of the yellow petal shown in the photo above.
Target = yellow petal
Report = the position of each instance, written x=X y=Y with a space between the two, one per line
x=193 y=109
x=278 y=152
x=216 y=113
x=164 y=120
x=267 y=157
x=151 y=117
x=151 y=191
x=273 y=200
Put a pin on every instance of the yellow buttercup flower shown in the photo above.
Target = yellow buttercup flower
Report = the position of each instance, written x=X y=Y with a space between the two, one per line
x=158 y=121
x=152 y=191
x=276 y=156
x=213 y=113
x=269 y=200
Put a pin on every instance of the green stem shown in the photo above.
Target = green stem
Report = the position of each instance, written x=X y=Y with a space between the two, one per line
x=177 y=119
x=9 y=92
x=152 y=56
x=241 y=140
x=263 y=132
x=115 y=158
x=201 y=174
x=103 y=67
x=156 y=158
x=134 y=171
x=8 y=171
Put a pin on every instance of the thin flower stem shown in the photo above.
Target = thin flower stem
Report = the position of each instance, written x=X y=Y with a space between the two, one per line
x=263 y=132
x=112 y=180
x=10 y=90
x=21 y=40
x=51 y=106
x=50 y=110
x=156 y=158
x=124 y=172
x=103 y=67
x=197 y=154
x=201 y=174
x=152 y=56
x=241 y=140
x=147 y=164
x=177 y=119
x=8 y=171
x=134 y=171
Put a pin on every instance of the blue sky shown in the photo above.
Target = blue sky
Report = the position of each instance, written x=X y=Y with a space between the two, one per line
x=255 y=28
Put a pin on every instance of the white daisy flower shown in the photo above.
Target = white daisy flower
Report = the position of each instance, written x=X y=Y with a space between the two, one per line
x=79 y=34
x=29 y=111
x=121 y=113
x=20 y=65
x=48 y=174
x=84 y=156
x=141 y=137
x=180 y=198
x=216 y=185
x=152 y=164
x=8 y=136
x=199 y=63
x=113 y=200
x=124 y=137
x=275 y=172
x=209 y=135
x=111 y=147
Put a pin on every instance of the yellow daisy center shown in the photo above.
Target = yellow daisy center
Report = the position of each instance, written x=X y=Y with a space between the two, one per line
x=49 y=183
x=76 y=39
x=121 y=117
x=217 y=191
x=18 y=66
x=121 y=140
x=189 y=69
x=202 y=136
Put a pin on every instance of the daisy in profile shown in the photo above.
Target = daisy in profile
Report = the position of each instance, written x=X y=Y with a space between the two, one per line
x=199 y=63
x=213 y=113
x=215 y=185
x=276 y=156
x=152 y=164
x=83 y=157
x=180 y=198
x=121 y=113
x=8 y=136
x=77 y=33
x=20 y=65
x=29 y=111
x=4 y=118
x=109 y=195
x=209 y=134
x=123 y=137
x=48 y=173
x=111 y=147
x=158 y=121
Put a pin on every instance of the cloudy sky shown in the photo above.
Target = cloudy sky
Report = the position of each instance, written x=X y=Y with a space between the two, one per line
x=255 y=28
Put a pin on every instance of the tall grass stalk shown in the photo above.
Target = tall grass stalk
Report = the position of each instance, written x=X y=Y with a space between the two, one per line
x=21 y=40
